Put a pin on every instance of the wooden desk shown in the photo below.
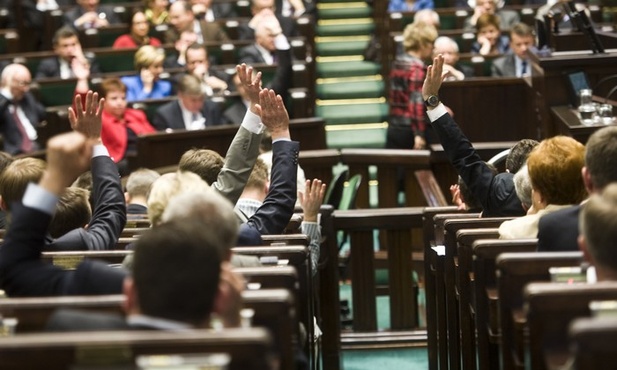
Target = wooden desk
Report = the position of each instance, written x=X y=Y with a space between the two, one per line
x=568 y=123
x=162 y=149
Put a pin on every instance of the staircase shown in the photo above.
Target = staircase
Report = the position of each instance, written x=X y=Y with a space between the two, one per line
x=349 y=90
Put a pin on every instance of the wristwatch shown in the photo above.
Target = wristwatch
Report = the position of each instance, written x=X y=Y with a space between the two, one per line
x=432 y=101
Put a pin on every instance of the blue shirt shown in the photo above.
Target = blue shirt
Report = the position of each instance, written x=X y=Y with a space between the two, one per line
x=135 y=89
x=402 y=6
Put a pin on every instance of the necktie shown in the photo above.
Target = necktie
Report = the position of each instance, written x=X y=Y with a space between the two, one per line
x=26 y=144
x=523 y=68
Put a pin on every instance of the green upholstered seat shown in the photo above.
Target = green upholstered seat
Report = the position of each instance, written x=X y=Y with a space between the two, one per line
x=343 y=47
x=343 y=10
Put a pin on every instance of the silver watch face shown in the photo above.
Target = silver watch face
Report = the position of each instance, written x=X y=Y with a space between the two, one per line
x=432 y=100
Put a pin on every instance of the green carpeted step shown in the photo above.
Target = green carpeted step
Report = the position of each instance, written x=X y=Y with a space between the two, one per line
x=327 y=69
x=345 y=27
x=350 y=88
x=352 y=111
x=343 y=10
x=356 y=138
x=346 y=46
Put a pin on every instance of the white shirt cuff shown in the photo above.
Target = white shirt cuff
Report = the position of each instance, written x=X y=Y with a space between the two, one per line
x=252 y=123
x=439 y=111
x=38 y=198
x=99 y=150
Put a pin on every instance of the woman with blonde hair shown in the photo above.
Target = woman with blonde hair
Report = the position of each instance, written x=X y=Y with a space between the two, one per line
x=146 y=84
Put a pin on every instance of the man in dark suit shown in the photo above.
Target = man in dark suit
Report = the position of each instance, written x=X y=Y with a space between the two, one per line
x=89 y=14
x=269 y=39
x=182 y=18
x=191 y=111
x=109 y=211
x=516 y=62
x=68 y=53
x=20 y=112
x=558 y=231
x=137 y=188
x=495 y=192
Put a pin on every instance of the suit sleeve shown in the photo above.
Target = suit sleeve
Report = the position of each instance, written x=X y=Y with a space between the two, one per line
x=108 y=216
x=158 y=121
x=239 y=161
x=274 y=214
x=281 y=81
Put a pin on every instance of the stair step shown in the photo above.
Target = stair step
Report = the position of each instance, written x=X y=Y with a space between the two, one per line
x=343 y=10
x=341 y=48
x=356 y=136
x=350 y=88
x=346 y=68
x=345 y=27
x=352 y=111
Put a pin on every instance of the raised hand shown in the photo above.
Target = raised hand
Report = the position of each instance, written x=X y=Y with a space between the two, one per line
x=87 y=118
x=273 y=114
x=312 y=199
x=68 y=156
x=434 y=77
x=251 y=84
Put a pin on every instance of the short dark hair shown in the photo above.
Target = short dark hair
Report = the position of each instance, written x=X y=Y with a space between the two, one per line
x=598 y=225
x=72 y=212
x=17 y=176
x=204 y=162
x=63 y=33
x=601 y=156
x=176 y=272
x=522 y=30
x=518 y=154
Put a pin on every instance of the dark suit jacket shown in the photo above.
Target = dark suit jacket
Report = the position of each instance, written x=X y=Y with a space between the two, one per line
x=558 y=231
x=35 y=112
x=50 y=67
x=71 y=15
x=276 y=210
x=282 y=77
x=504 y=66
x=108 y=214
x=209 y=32
x=495 y=192
x=23 y=273
x=250 y=55
x=235 y=113
x=170 y=116
x=288 y=26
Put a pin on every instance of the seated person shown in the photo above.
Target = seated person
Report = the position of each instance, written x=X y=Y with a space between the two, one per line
x=205 y=163
x=89 y=14
x=495 y=192
x=269 y=42
x=522 y=186
x=68 y=54
x=597 y=227
x=409 y=5
x=559 y=231
x=209 y=10
x=555 y=173
x=234 y=113
x=121 y=125
x=261 y=9
x=182 y=18
x=449 y=49
x=138 y=33
x=516 y=62
x=507 y=18
x=156 y=12
x=72 y=212
x=212 y=82
x=108 y=210
x=147 y=84
x=489 y=39
x=20 y=113
x=178 y=60
x=136 y=195
x=191 y=111
x=463 y=198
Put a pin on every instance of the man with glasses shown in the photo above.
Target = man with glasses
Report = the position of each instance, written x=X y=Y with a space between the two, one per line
x=20 y=112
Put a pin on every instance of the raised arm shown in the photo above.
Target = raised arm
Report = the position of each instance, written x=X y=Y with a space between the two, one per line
x=244 y=148
x=109 y=208
x=311 y=201
x=274 y=214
